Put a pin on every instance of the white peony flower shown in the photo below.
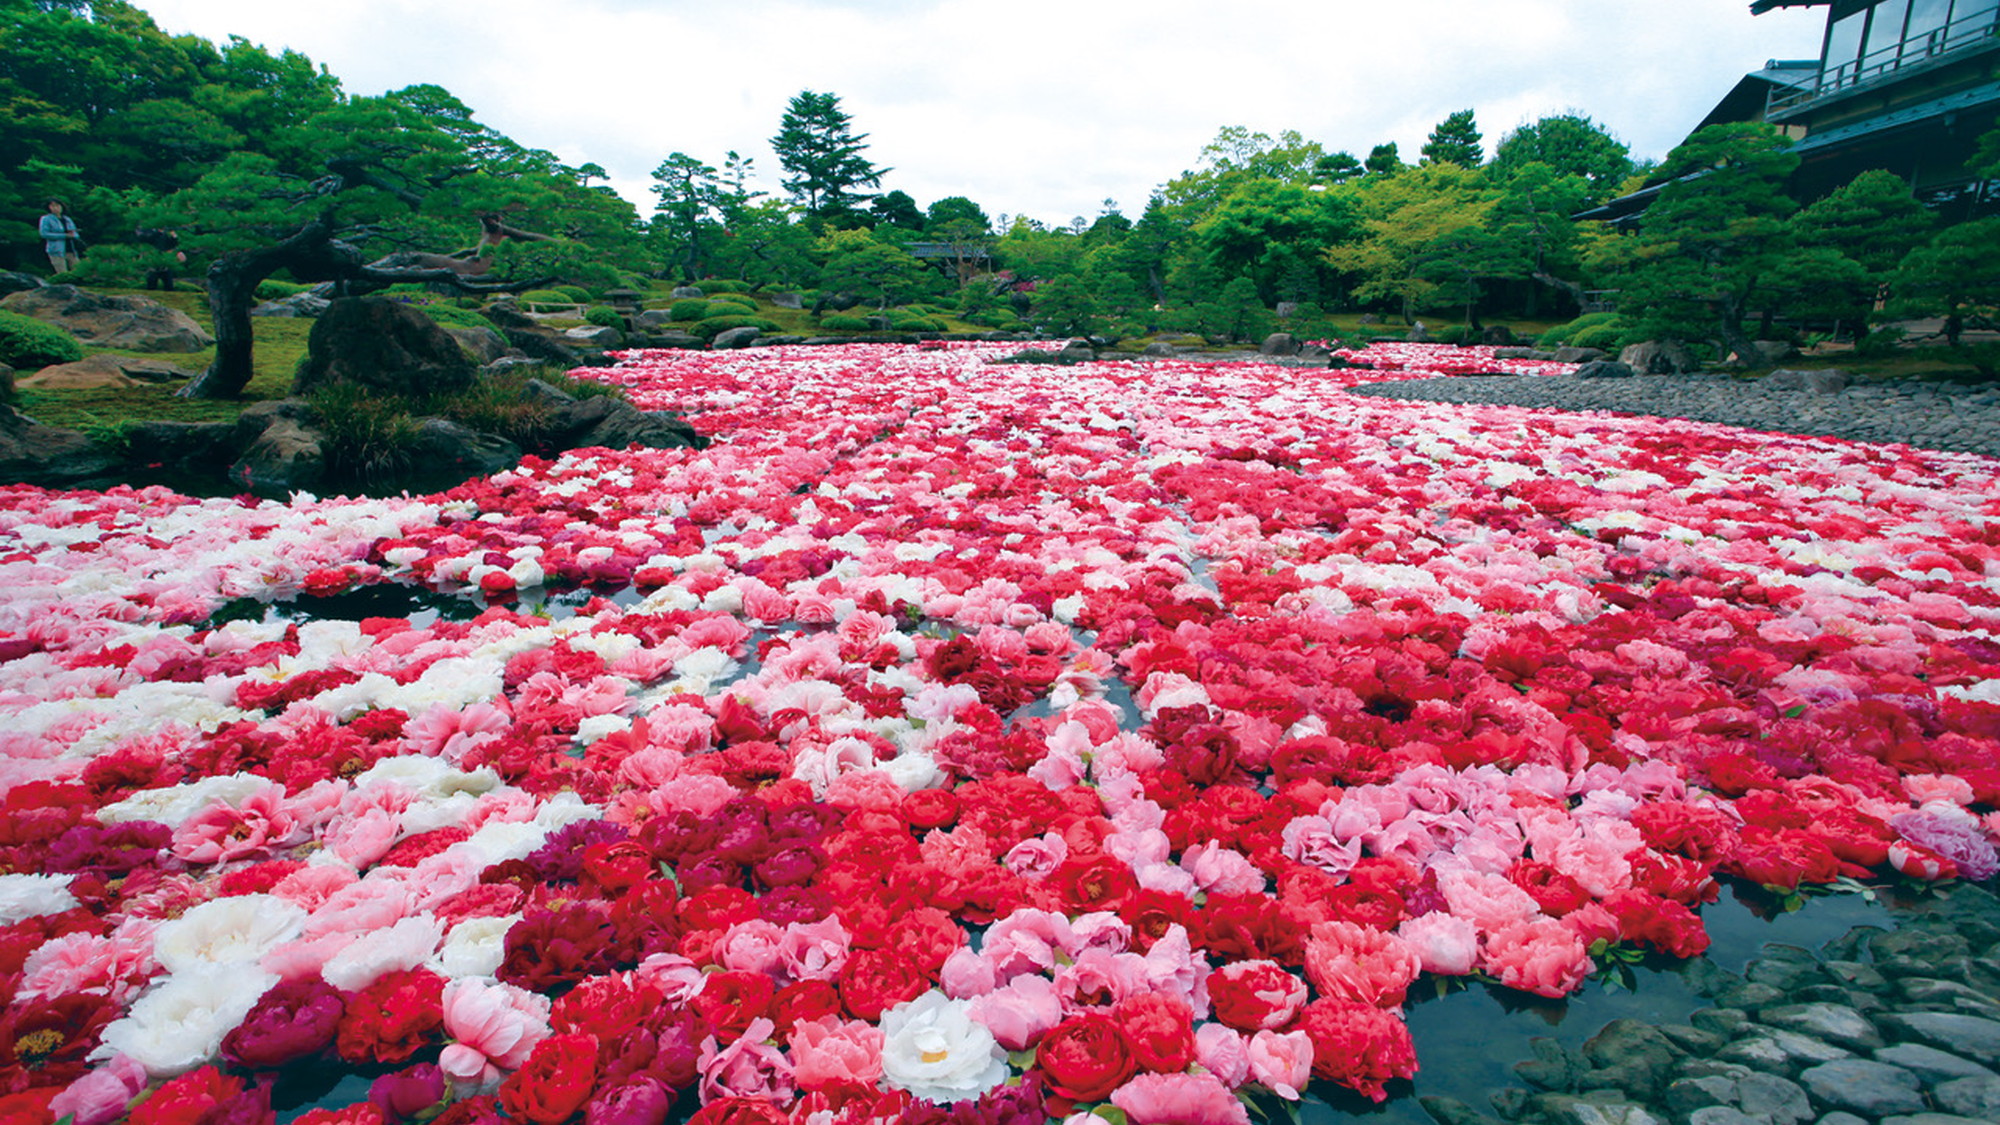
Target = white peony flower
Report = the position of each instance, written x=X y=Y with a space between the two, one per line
x=932 y=1047
x=230 y=932
x=405 y=945
x=30 y=896
x=179 y=1024
x=475 y=947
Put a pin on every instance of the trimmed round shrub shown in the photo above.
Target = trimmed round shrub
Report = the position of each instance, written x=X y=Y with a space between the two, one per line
x=707 y=329
x=272 y=290
x=915 y=324
x=604 y=316
x=1564 y=335
x=841 y=322
x=712 y=286
x=27 y=342
x=577 y=294
x=688 y=308
x=547 y=300
x=1608 y=337
x=731 y=305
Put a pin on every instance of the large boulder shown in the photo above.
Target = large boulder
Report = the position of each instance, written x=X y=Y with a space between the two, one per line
x=103 y=370
x=286 y=457
x=593 y=336
x=1604 y=369
x=31 y=453
x=1659 y=357
x=731 y=338
x=138 y=324
x=18 y=282
x=788 y=300
x=385 y=346
x=1279 y=344
x=1580 y=355
x=448 y=454
x=484 y=345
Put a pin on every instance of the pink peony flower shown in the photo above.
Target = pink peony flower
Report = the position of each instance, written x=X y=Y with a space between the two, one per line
x=1179 y=1099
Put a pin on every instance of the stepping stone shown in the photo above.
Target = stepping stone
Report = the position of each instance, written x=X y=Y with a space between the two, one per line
x=1865 y=1087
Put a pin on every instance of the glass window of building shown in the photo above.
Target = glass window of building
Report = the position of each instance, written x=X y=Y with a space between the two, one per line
x=1927 y=19
x=1968 y=15
x=1843 y=43
x=1885 y=32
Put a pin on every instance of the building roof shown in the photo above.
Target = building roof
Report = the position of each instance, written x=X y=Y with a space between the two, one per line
x=1759 y=7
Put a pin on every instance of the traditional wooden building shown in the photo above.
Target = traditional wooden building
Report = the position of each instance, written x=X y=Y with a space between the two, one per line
x=1906 y=85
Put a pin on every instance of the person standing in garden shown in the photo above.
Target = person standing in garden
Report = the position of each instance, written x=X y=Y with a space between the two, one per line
x=60 y=238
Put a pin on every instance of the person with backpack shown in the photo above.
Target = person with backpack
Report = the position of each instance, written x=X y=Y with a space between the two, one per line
x=60 y=238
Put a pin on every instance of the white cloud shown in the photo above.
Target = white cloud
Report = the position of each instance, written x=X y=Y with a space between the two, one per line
x=1044 y=107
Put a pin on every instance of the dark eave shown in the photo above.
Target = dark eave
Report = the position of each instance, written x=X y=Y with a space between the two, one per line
x=1759 y=7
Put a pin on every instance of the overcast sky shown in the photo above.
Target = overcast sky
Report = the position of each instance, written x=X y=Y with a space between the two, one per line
x=1037 y=107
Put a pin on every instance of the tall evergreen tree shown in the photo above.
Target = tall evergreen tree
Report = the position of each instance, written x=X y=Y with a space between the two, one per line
x=1455 y=141
x=821 y=155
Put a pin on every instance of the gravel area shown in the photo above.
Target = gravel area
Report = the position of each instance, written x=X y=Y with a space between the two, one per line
x=1927 y=415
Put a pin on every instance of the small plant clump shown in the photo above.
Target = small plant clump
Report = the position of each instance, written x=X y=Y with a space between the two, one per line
x=710 y=327
x=26 y=342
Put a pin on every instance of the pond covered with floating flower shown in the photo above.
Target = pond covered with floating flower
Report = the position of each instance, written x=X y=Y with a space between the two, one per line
x=958 y=742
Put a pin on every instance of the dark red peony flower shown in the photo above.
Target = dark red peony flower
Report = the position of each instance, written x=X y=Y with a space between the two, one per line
x=392 y=1019
x=296 y=1018
x=1085 y=1058
x=554 y=1083
x=875 y=980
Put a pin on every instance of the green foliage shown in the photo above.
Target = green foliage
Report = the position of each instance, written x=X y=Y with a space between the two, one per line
x=687 y=309
x=1431 y=235
x=707 y=328
x=715 y=285
x=26 y=342
x=1605 y=337
x=896 y=209
x=1955 y=277
x=1570 y=145
x=271 y=289
x=1719 y=229
x=872 y=271
x=1273 y=233
x=367 y=437
x=603 y=316
x=843 y=322
x=1874 y=219
x=1565 y=335
x=547 y=300
x=576 y=293
x=730 y=304
x=821 y=156
x=911 y=323
x=1455 y=140
x=1383 y=160
x=451 y=316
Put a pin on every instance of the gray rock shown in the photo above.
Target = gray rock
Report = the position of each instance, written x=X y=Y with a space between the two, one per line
x=484 y=345
x=447 y=454
x=307 y=304
x=1694 y=1039
x=1285 y=309
x=1631 y=1057
x=652 y=320
x=1602 y=369
x=1658 y=357
x=1724 y=1115
x=1929 y=1063
x=285 y=458
x=1593 y=1109
x=682 y=293
x=11 y=282
x=1966 y=1036
x=1370 y=318
x=384 y=346
x=1685 y=1095
x=1934 y=1119
x=1451 y=1111
x=138 y=324
x=1513 y=353
x=1580 y=355
x=1785 y=968
x=1929 y=992
x=31 y=453
x=788 y=300
x=1764 y=352
x=1832 y=1023
x=103 y=370
x=1864 y=1086
x=1784 y=379
x=1841 y=1117
x=1973 y=1097
x=735 y=338
x=186 y=446
x=1830 y=381
x=1552 y=1068
x=1418 y=333
x=1720 y=1021
x=1783 y=1101
x=1160 y=350
x=593 y=336
x=615 y=424
x=1278 y=344
x=1856 y=974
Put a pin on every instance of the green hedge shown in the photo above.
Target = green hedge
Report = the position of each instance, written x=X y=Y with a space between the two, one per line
x=707 y=329
x=731 y=305
x=576 y=293
x=273 y=290
x=604 y=317
x=451 y=316
x=841 y=322
x=26 y=342
x=549 y=300
x=1565 y=335
x=915 y=324
x=688 y=308
x=712 y=286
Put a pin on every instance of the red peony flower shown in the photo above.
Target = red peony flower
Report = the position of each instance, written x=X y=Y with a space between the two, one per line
x=875 y=980
x=1160 y=1029
x=730 y=1001
x=555 y=1081
x=1085 y=1058
x=392 y=1019
x=1358 y=1046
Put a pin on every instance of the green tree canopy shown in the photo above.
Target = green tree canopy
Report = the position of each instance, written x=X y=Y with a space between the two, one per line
x=1874 y=219
x=1571 y=144
x=822 y=156
x=1455 y=140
